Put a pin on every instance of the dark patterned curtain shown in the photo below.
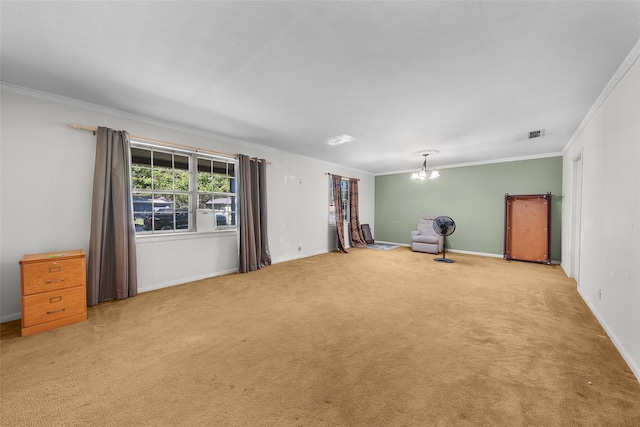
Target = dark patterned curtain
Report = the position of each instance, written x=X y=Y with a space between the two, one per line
x=252 y=195
x=111 y=263
x=336 y=180
x=355 y=232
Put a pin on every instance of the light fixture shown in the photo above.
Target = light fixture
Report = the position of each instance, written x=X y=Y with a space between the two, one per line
x=340 y=139
x=425 y=172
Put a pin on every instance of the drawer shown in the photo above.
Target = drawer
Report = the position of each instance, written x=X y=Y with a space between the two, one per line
x=49 y=306
x=51 y=275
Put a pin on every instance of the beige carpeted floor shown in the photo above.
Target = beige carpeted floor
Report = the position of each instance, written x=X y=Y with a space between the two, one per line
x=372 y=338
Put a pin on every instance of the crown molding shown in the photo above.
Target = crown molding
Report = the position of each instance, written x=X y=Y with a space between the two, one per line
x=626 y=65
x=45 y=96
x=481 y=162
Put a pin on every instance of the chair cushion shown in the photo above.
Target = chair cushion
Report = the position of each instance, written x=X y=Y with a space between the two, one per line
x=424 y=238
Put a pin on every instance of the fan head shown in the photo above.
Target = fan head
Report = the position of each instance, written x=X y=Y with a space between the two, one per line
x=444 y=225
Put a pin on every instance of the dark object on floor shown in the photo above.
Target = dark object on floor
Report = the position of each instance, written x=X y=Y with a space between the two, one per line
x=366 y=233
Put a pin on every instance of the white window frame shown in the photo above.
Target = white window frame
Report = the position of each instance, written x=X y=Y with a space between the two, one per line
x=199 y=220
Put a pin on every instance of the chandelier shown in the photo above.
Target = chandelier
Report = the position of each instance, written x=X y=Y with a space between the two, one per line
x=425 y=172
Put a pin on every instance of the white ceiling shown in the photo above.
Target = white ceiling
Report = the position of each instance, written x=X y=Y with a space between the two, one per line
x=467 y=78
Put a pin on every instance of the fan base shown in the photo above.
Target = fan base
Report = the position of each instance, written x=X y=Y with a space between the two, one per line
x=444 y=260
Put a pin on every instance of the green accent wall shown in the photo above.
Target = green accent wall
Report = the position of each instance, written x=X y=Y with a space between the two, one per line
x=473 y=196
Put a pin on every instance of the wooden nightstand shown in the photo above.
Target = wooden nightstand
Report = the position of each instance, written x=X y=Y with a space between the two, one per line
x=53 y=290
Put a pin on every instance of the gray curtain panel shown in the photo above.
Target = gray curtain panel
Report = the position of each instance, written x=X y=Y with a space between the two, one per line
x=252 y=202
x=112 y=269
x=337 y=204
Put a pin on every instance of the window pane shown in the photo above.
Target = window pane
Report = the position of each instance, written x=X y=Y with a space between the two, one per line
x=181 y=162
x=161 y=159
x=220 y=202
x=142 y=202
x=205 y=181
x=142 y=209
x=220 y=167
x=181 y=180
x=162 y=179
x=182 y=212
x=222 y=220
x=182 y=203
x=332 y=208
x=163 y=202
x=140 y=156
x=344 y=189
x=163 y=217
x=204 y=201
x=141 y=177
x=231 y=169
x=181 y=172
x=332 y=213
x=204 y=165
x=222 y=208
x=221 y=184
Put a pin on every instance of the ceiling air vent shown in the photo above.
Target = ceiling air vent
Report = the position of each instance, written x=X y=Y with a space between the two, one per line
x=536 y=133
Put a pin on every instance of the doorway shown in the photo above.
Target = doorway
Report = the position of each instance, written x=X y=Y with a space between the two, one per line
x=576 y=216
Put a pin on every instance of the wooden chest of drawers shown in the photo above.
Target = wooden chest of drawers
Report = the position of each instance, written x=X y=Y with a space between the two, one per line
x=53 y=290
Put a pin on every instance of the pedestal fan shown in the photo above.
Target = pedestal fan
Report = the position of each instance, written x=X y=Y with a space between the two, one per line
x=444 y=226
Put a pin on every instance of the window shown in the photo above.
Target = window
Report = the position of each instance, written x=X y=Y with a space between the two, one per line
x=344 y=193
x=178 y=190
x=217 y=191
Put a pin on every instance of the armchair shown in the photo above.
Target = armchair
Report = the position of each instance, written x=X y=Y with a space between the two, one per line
x=425 y=239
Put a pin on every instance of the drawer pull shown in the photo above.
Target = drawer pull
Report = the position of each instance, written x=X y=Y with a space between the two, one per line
x=55 y=299
x=56 y=311
x=54 y=269
x=54 y=281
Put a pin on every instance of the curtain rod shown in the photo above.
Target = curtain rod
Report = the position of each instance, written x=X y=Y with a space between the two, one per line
x=346 y=177
x=171 y=144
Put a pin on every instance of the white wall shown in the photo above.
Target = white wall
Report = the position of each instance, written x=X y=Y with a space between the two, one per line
x=46 y=179
x=609 y=263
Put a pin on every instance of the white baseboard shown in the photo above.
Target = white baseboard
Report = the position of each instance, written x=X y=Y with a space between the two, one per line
x=306 y=255
x=487 y=254
x=476 y=253
x=448 y=250
x=16 y=316
x=614 y=339
x=183 y=281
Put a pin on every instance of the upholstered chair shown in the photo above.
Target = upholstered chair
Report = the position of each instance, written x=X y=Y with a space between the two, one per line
x=425 y=239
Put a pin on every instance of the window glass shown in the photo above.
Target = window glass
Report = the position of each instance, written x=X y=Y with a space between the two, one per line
x=344 y=197
x=170 y=186
x=216 y=192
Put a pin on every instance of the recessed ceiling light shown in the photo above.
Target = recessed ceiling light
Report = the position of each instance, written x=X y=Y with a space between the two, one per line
x=342 y=139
